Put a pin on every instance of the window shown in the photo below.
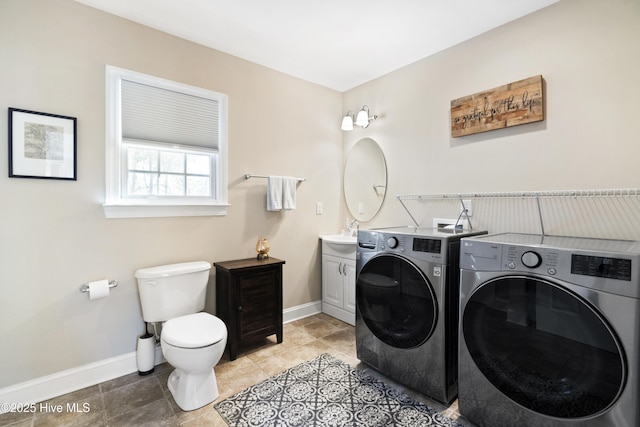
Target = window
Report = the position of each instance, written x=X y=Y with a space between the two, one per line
x=166 y=148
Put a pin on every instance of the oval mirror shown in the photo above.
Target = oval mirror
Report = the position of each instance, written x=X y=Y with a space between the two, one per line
x=365 y=179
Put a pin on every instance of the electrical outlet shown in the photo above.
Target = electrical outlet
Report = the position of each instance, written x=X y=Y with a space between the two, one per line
x=318 y=208
x=468 y=206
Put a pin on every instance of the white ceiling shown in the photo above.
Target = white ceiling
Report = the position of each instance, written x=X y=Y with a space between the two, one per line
x=339 y=44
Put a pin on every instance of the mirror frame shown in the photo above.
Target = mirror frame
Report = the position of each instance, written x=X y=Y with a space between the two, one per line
x=365 y=179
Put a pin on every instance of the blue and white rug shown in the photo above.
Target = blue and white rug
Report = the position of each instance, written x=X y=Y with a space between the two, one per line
x=326 y=392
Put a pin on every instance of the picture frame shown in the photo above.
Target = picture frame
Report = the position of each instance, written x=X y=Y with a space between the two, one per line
x=42 y=145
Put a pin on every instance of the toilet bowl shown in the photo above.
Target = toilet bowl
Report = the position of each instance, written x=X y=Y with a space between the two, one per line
x=193 y=344
x=192 y=341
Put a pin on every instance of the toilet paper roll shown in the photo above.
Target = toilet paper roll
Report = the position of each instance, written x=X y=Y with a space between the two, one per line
x=98 y=289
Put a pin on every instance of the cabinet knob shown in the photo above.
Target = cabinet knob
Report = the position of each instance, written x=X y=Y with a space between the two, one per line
x=239 y=308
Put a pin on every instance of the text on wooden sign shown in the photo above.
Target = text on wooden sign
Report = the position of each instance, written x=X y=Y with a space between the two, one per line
x=513 y=104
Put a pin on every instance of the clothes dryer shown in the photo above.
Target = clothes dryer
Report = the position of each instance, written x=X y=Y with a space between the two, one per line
x=549 y=331
x=407 y=306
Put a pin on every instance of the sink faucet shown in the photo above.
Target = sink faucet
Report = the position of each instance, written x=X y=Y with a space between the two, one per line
x=350 y=228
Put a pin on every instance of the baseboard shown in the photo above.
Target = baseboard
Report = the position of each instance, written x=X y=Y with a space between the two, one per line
x=339 y=313
x=54 y=385
x=301 y=311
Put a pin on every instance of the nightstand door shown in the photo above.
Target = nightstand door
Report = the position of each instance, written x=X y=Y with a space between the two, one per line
x=257 y=310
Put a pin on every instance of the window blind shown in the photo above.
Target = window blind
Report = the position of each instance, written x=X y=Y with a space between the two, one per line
x=151 y=113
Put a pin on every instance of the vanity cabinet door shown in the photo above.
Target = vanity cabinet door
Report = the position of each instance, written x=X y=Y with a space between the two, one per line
x=332 y=289
x=339 y=288
x=349 y=277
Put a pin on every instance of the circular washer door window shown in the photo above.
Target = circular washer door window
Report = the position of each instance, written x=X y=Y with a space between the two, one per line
x=544 y=347
x=396 y=301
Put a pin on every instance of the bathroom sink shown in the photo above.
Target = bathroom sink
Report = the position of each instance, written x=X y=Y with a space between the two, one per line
x=340 y=239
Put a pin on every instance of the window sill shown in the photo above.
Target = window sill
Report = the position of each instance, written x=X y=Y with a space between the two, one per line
x=160 y=211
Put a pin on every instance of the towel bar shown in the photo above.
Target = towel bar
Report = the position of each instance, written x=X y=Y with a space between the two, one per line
x=248 y=175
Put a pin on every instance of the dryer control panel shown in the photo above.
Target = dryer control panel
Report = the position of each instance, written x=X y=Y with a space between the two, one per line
x=599 y=266
x=612 y=266
x=529 y=259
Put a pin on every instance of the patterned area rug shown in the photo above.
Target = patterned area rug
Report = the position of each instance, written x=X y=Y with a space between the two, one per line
x=326 y=392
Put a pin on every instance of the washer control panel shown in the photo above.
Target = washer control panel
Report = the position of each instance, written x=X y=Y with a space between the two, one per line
x=418 y=244
x=392 y=242
x=424 y=248
x=421 y=244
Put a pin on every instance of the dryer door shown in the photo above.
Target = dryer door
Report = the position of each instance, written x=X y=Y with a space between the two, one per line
x=544 y=347
x=396 y=301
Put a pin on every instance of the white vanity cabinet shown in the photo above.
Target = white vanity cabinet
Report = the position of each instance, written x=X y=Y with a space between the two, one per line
x=339 y=278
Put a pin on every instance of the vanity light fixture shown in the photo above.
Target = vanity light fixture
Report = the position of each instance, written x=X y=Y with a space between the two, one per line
x=362 y=119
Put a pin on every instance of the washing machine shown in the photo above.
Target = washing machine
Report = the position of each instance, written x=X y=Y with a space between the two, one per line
x=549 y=331
x=406 y=306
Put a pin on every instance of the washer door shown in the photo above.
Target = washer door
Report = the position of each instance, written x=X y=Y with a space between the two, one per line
x=544 y=347
x=396 y=301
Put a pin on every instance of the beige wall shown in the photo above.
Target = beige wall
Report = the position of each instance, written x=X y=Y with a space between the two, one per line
x=587 y=53
x=55 y=237
x=54 y=234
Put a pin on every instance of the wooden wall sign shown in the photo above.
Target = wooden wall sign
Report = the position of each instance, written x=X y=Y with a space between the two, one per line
x=513 y=104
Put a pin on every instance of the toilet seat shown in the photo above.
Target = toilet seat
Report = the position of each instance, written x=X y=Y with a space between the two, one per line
x=194 y=331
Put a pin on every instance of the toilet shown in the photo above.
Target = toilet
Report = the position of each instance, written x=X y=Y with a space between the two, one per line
x=192 y=341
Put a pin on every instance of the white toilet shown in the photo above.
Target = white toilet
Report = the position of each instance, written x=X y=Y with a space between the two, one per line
x=192 y=341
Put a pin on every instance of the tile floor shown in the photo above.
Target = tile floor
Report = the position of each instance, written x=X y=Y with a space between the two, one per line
x=133 y=400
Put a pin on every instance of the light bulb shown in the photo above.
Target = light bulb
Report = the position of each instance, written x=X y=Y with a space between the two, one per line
x=347 y=122
x=362 y=119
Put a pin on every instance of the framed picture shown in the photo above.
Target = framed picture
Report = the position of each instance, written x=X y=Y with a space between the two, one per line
x=41 y=145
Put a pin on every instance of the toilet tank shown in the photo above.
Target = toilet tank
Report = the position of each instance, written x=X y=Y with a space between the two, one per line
x=172 y=290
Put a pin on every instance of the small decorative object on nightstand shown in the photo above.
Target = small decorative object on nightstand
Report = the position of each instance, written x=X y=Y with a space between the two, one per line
x=249 y=299
x=262 y=247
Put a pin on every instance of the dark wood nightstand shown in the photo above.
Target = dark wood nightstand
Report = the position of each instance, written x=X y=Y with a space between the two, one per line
x=249 y=299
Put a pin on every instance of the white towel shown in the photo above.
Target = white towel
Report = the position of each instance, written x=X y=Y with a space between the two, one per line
x=274 y=193
x=289 y=192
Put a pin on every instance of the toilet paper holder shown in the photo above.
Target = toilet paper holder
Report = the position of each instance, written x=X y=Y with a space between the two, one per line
x=85 y=287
